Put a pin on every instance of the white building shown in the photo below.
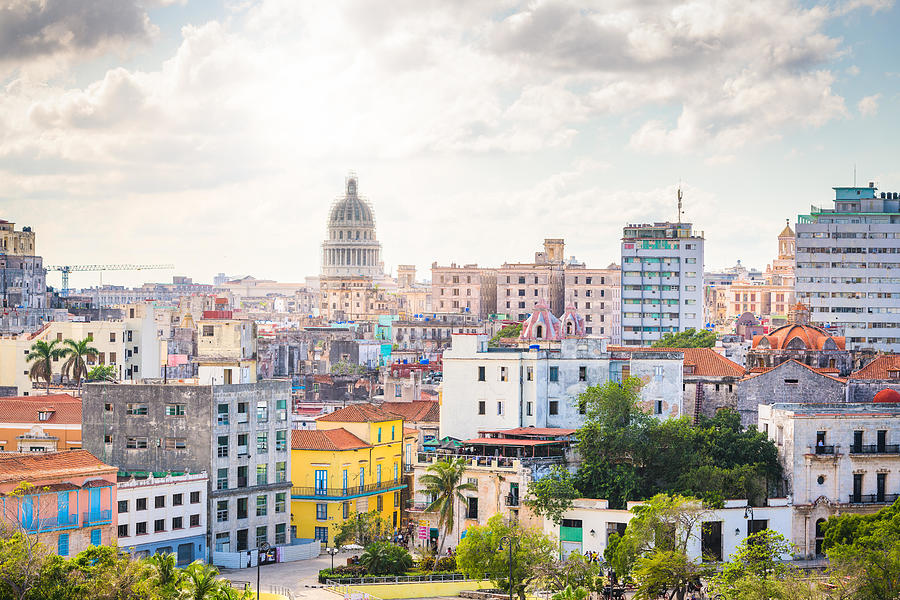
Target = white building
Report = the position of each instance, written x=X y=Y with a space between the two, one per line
x=662 y=281
x=837 y=458
x=536 y=385
x=588 y=525
x=847 y=263
x=163 y=515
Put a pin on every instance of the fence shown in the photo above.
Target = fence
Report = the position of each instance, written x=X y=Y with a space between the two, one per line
x=396 y=579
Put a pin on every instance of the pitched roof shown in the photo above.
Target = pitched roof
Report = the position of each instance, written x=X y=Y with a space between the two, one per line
x=793 y=360
x=812 y=338
x=331 y=439
x=66 y=409
x=879 y=368
x=708 y=362
x=358 y=413
x=418 y=410
x=49 y=465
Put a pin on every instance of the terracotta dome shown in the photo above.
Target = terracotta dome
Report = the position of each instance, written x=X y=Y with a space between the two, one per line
x=541 y=325
x=887 y=395
x=798 y=337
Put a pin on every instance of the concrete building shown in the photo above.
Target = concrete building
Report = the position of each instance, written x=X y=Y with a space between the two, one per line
x=71 y=504
x=504 y=388
x=847 y=260
x=40 y=423
x=23 y=281
x=522 y=286
x=596 y=294
x=589 y=523
x=467 y=289
x=710 y=382
x=662 y=281
x=837 y=459
x=880 y=373
x=238 y=433
x=163 y=515
x=414 y=298
x=430 y=336
x=226 y=349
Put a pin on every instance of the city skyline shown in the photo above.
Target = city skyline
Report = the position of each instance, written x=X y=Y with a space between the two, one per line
x=181 y=132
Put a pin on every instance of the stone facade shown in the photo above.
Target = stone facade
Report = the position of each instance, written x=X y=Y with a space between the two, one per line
x=596 y=294
x=464 y=289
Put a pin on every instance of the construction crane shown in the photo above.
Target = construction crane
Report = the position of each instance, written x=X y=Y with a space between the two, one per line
x=66 y=269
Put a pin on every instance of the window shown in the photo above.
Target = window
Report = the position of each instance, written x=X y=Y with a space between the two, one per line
x=346 y=510
x=159 y=502
x=112 y=358
x=175 y=443
x=223 y=542
x=554 y=407
x=554 y=373
x=122 y=531
x=281 y=472
x=472 y=508
x=321 y=534
x=140 y=528
x=262 y=506
x=529 y=409
x=379 y=503
x=281 y=502
x=242 y=508
x=378 y=474
x=481 y=407
x=281 y=409
x=177 y=522
x=208 y=331
x=393 y=431
x=500 y=407
x=658 y=373
x=222 y=511
x=262 y=536
x=195 y=520
x=379 y=435
x=159 y=525
x=174 y=410
x=136 y=408
x=222 y=446
x=503 y=374
x=195 y=497
x=321 y=512
x=123 y=506
x=136 y=442
x=280 y=533
x=62 y=544
x=262 y=410
x=262 y=442
x=659 y=407
x=222 y=479
x=177 y=499
x=242 y=412
x=582 y=373
x=222 y=418
x=529 y=373
x=481 y=374
x=262 y=474
x=140 y=504
x=711 y=541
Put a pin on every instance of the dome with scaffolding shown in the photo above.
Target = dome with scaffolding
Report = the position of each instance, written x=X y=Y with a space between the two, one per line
x=351 y=248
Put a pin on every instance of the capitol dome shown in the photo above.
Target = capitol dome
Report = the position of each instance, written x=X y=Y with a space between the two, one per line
x=351 y=248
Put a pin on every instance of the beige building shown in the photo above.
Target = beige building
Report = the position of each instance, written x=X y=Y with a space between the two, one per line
x=522 y=286
x=464 y=289
x=226 y=351
x=413 y=298
x=596 y=295
x=16 y=243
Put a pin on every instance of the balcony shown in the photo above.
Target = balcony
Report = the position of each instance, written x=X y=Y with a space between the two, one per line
x=873 y=498
x=51 y=523
x=302 y=493
x=512 y=500
x=875 y=449
x=824 y=450
x=98 y=517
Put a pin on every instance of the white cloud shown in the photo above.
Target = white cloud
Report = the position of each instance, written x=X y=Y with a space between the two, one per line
x=868 y=106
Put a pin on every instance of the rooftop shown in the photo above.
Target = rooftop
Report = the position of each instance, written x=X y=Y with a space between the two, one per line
x=63 y=408
x=418 y=410
x=359 y=413
x=849 y=409
x=331 y=439
x=36 y=467
x=709 y=363
x=886 y=366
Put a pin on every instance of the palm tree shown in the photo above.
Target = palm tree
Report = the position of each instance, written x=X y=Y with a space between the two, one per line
x=201 y=582
x=42 y=355
x=167 y=573
x=442 y=483
x=76 y=353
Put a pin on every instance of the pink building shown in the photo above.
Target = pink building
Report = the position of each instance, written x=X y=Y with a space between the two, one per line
x=69 y=500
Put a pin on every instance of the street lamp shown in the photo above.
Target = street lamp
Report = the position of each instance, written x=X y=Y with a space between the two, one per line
x=260 y=549
x=509 y=543
x=332 y=551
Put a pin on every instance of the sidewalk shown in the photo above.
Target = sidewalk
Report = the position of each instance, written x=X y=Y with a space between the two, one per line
x=300 y=577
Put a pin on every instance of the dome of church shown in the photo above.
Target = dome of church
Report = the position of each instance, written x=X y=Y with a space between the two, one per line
x=798 y=337
x=541 y=325
x=887 y=395
x=351 y=210
x=350 y=248
x=572 y=323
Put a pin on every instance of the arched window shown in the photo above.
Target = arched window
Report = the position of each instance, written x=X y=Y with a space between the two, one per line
x=820 y=536
x=569 y=328
x=539 y=331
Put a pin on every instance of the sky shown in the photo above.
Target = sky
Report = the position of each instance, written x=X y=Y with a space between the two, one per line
x=215 y=136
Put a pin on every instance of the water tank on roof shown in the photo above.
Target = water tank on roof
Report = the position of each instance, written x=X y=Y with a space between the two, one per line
x=882 y=195
x=534 y=347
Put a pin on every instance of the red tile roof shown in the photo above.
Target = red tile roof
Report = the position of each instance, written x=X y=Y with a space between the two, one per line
x=359 y=413
x=879 y=368
x=812 y=338
x=507 y=442
x=419 y=410
x=37 y=467
x=409 y=431
x=331 y=439
x=709 y=363
x=66 y=409
x=538 y=431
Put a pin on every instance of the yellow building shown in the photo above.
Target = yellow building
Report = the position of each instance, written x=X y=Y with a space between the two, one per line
x=352 y=462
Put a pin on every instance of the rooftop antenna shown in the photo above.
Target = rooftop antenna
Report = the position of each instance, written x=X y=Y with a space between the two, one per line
x=679 y=204
x=854 y=174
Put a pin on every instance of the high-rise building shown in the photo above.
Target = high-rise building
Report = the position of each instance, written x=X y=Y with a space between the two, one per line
x=23 y=281
x=662 y=281
x=467 y=289
x=848 y=266
x=596 y=294
x=522 y=286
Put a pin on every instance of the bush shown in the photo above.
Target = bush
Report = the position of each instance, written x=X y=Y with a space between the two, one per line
x=385 y=558
x=342 y=572
x=446 y=563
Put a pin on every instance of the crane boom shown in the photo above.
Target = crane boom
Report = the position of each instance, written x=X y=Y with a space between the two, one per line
x=66 y=269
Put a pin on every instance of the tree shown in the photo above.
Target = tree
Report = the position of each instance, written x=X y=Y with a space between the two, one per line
x=571 y=593
x=865 y=550
x=552 y=496
x=361 y=528
x=508 y=332
x=573 y=571
x=758 y=561
x=663 y=570
x=168 y=576
x=102 y=373
x=201 y=582
x=42 y=355
x=478 y=554
x=76 y=353
x=442 y=482
x=689 y=338
x=385 y=558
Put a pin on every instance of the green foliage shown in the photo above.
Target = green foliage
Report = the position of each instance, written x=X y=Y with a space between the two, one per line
x=443 y=482
x=41 y=357
x=510 y=331
x=552 y=496
x=344 y=367
x=75 y=354
x=385 y=558
x=102 y=373
x=574 y=571
x=865 y=550
x=663 y=570
x=689 y=338
x=478 y=555
x=571 y=593
x=361 y=528
x=630 y=455
x=755 y=567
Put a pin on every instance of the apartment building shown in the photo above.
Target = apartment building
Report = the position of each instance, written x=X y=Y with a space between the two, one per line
x=847 y=263
x=596 y=295
x=45 y=423
x=23 y=281
x=163 y=515
x=226 y=349
x=522 y=286
x=237 y=433
x=464 y=289
x=662 y=281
